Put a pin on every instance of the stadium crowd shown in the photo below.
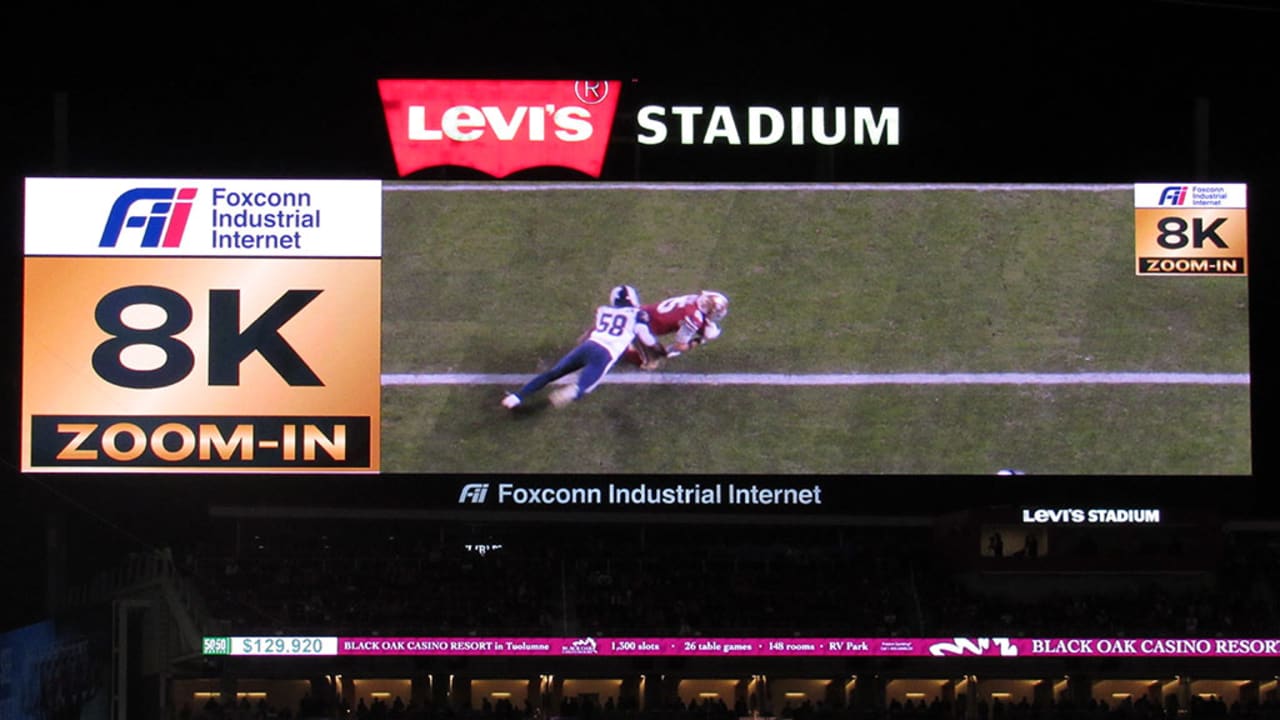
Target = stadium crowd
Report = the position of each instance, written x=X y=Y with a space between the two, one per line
x=386 y=578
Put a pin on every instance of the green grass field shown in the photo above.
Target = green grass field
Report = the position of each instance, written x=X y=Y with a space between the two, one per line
x=478 y=280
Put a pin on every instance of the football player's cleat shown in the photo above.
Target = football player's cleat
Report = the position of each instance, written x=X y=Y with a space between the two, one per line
x=713 y=304
x=511 y=401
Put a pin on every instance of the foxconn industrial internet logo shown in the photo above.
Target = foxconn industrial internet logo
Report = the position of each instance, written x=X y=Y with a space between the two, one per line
x=161 y=213
x=499 y=127
x=198 y=217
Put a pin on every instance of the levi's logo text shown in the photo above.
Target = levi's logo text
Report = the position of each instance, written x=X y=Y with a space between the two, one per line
x=200 y=361
x=162 y=225
x=1192 y=229
x=499 y=127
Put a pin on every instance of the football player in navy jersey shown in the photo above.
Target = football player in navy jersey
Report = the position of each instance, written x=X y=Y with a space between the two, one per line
x=616 y=326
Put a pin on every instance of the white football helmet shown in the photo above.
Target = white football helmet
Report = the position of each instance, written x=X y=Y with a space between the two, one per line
x=713 y=304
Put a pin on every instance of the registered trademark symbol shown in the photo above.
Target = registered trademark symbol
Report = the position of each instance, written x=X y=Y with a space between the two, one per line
x=591 y=92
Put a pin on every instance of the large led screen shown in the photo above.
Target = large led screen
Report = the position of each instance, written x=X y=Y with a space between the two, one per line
x=871 y=329
x=853 y=329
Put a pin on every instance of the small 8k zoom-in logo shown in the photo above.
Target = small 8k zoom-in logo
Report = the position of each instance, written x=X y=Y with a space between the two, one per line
x=1190 y=229
x=162 y=225
x=473 y=493
x=1173 y=195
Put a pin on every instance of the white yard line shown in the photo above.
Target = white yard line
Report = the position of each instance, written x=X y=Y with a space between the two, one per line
x=789 y=379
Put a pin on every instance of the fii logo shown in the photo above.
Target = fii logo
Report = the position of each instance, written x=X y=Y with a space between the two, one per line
x=163 y=220
x=473 y=493
x=1173 y=195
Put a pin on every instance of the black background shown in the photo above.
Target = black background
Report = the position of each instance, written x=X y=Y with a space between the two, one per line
x=990 y=92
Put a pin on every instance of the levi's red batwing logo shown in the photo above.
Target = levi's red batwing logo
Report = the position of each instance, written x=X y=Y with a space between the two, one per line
x=499 y=126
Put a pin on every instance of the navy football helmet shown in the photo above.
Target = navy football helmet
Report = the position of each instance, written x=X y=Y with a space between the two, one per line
x=624 y=296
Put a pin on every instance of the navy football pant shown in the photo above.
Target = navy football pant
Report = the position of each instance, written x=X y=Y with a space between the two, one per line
x=592 y=359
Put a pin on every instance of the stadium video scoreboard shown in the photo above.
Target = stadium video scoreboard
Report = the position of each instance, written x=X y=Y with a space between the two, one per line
x=360 y=326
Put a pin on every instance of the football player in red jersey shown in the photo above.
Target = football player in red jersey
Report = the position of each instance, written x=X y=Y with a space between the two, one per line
x=694 y=319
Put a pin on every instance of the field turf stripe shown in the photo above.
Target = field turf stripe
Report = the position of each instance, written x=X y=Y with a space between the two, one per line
x=786 y=379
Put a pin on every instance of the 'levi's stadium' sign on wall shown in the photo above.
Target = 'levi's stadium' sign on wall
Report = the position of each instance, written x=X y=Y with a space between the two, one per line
x=501 y=127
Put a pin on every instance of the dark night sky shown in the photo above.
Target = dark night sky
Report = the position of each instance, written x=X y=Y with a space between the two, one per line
x=1101 y=91
x=230 y=91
